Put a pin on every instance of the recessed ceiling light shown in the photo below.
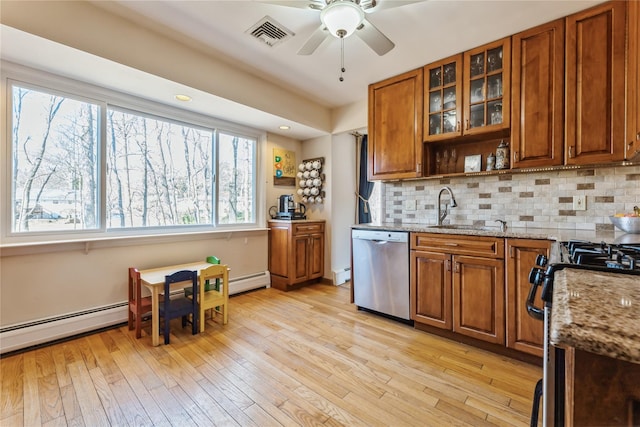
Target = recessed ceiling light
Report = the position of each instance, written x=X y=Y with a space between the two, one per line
x=285 y=127
x=183 y=98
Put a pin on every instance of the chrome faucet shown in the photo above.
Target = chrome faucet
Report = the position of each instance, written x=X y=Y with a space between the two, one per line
x=442 y=214
x=503 y=225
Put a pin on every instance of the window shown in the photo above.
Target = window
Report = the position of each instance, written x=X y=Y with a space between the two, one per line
x=158 y=171
x=237 y=174
x=55 y=162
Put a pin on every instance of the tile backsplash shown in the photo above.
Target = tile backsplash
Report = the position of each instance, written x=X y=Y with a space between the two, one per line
x=538 y=200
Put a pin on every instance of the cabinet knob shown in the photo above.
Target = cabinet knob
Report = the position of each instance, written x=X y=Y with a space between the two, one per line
x=457 y=267
x=466 y=124
x=458 y=127
x=571 y=151
x=515 y=157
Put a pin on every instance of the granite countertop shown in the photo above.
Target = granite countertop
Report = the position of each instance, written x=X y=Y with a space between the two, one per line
x=512 y=232
x=597 y=312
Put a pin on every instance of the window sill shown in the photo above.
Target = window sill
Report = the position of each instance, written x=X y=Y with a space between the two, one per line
x=86 y=244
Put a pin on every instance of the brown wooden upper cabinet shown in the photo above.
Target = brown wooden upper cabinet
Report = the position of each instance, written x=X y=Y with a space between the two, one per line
x=633 y=83
x=486 y=88
x=537 y=102
x=395 y=127
x=595 y=84
x=443 y=99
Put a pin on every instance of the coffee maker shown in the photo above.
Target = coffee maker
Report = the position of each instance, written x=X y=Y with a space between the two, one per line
x=289 y=209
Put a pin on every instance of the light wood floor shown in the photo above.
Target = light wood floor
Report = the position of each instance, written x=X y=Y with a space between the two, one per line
x=306 y=357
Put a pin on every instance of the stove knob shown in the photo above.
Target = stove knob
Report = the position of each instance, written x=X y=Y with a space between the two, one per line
x=541 y=260
x=535 y=276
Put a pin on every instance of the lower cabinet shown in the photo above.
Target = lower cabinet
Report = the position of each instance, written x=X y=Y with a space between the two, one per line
x=524 y=333
x=296 y=253
x=457 y=284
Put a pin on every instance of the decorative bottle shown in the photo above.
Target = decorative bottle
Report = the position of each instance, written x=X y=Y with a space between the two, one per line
x=502 y=155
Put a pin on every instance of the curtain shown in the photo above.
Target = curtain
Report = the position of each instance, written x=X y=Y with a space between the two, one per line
x=365 y=187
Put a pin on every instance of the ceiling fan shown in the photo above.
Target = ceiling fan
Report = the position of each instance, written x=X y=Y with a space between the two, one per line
x=341 y=18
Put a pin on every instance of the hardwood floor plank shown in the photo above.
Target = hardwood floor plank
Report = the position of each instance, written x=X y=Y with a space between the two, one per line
x=50 y=400
x=72 y=412
x=103 y=358
x=30 y=391
x=133 y=370
x=301 y=358
x=91 y=408
x=109 y=402
x=171 y=408
x=59 y=360
x=132 y=409
x=11 y=387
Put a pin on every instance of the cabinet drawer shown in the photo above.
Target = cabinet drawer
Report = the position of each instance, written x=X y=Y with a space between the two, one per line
x=458 y=244
x=308 y=228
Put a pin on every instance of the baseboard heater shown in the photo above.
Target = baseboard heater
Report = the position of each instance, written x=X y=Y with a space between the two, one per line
x=23 y=335
x=341 y=276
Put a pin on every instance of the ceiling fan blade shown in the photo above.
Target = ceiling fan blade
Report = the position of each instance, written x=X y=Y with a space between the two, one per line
x=300 y=4
x=370 y=6
x=316 y=39
x=374 y=38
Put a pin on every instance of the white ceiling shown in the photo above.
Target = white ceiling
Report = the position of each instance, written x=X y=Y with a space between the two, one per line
x=423 y=32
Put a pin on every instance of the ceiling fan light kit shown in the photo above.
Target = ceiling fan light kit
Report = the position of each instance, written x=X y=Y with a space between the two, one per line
x=342 y=17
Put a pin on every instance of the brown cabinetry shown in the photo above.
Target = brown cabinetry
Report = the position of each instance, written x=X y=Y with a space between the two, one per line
x=524 y=333
x=537 y=88
x=633 y=82
x=600 y=391
x=595 y=84
x=443 y=99
x=395 y=127
x=457 y=283
x=296 y=253
x=486 y=96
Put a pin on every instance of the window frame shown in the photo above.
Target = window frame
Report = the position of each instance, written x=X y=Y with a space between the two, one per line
x=14 y=74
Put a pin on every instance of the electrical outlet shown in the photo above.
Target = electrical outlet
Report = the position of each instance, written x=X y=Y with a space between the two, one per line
x=410 y=205
x=579 y=203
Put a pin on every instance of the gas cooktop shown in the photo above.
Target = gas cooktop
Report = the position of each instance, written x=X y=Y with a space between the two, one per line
x=604 y=255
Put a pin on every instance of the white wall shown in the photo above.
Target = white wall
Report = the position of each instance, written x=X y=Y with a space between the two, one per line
x=343 y=189
x=52 y=280
x=275 y=191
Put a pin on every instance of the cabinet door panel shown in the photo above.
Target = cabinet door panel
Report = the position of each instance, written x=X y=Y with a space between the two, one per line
x=300 y=257
x=316 y=253
x=595 y=61
x=487 y=83
x=443 y=99
x=395 y=123
x=524 y=333
x=633 y=87
x=431 y=289
x=478 y=298
x=537 y=87
x=278 y=250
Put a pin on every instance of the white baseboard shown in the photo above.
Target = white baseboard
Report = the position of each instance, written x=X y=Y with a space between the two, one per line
x=25 y=335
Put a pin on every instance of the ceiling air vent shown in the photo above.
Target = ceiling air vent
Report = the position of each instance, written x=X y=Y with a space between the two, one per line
x=269 y=31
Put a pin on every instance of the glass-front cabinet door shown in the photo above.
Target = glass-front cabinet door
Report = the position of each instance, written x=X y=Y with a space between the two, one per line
x=487 y=72
x=443 y=99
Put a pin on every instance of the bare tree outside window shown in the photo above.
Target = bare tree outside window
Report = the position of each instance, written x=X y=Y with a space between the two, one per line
x=237 y=195
x=159 y=172
x=54 y=162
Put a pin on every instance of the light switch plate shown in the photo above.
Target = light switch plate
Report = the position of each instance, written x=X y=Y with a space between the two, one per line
x=580 y=203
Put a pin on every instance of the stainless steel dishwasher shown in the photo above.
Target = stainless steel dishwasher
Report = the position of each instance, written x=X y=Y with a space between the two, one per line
x=380 y=276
